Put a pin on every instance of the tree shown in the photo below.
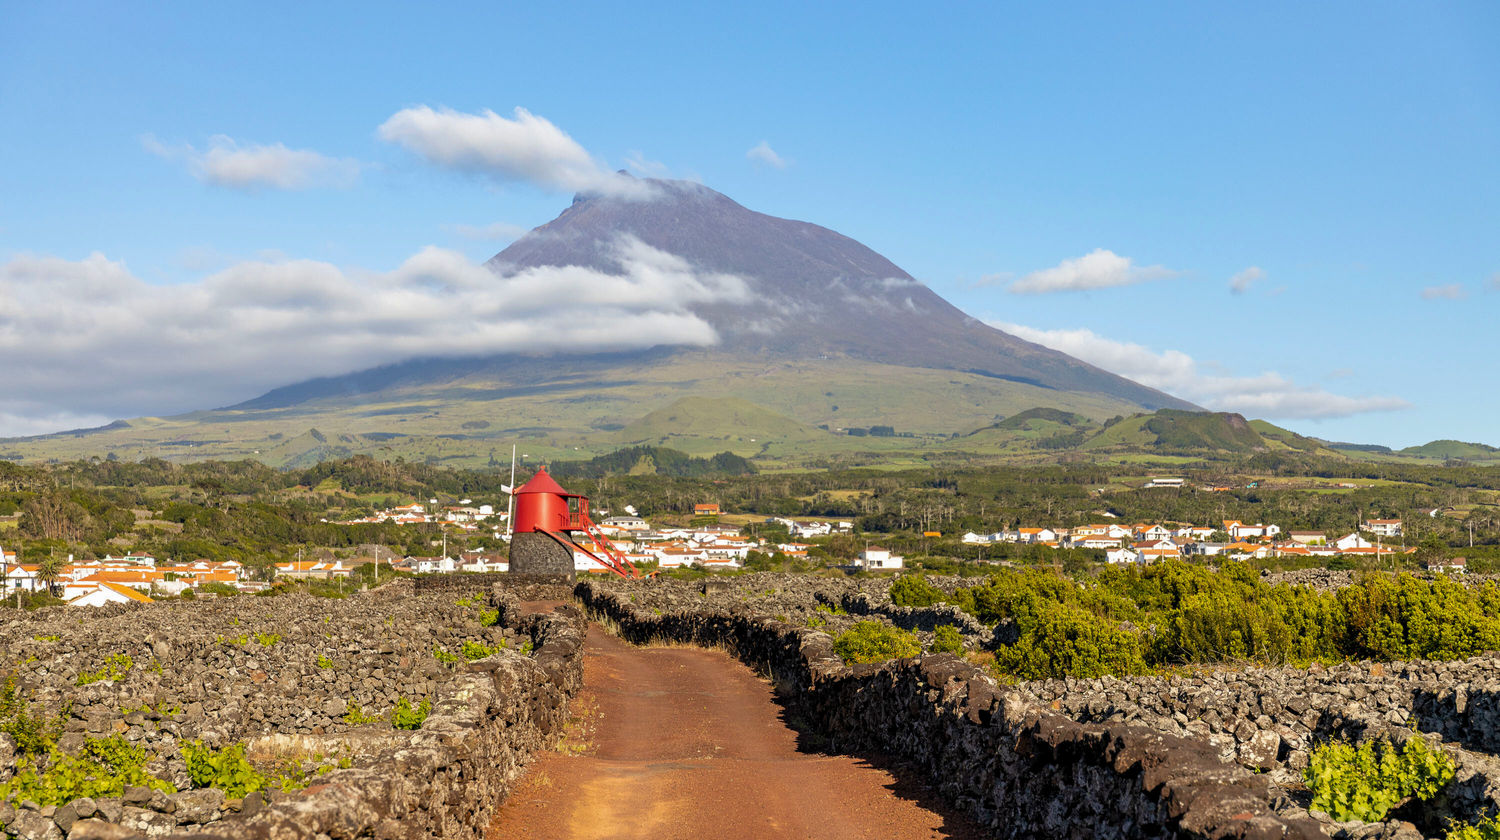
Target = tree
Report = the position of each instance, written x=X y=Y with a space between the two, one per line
x=48 y=570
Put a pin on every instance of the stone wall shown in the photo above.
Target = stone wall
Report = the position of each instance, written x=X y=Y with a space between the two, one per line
x=211 y=670
x=1021 y=768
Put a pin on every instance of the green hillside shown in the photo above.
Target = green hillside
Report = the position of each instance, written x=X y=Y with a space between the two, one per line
x=1278 y=437
x=1456 y=449
x=717 y=418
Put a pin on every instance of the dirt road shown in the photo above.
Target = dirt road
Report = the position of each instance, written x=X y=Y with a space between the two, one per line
x=676 y=743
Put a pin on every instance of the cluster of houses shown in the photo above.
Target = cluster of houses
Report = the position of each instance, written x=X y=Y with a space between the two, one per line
x=1148 y=543
x=118 y=580
x=465 y=515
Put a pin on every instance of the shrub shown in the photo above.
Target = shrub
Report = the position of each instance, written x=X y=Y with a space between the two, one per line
x=105 y=767
x=1366 y=782
x=947 y=639
x=915 y=591
x=356 y=716
x=873 y=641
x=115 y=668
x=407 y=716
x=444 y=656
x=475 y=651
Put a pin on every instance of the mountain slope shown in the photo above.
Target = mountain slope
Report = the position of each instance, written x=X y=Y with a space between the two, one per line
x=815 y=292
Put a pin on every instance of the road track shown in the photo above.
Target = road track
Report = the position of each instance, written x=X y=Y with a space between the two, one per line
x=679 y=743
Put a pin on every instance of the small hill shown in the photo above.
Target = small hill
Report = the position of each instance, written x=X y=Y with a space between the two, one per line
x=1455 y=449
x=1170 y=430
x=1035 y=418
x=308 y=449
x=654 y=460
x=722 y=418
x=1276 y=435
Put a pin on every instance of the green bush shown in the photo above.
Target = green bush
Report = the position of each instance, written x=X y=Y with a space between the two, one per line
x=475 y=651
x=873 y=641
x=1366 y=782
x=104 y=769
x=407 y=716
x=947 y=639
x=355 y=716
x=1059 y=640
x=32 y=732
x=115 y=668
x=1486 y=829
x=914 y=591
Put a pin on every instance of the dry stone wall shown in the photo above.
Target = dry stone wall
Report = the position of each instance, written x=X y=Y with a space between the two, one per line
x=281 y=674
x=1020 y=766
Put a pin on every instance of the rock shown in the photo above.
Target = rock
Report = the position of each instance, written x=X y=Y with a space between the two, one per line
x=136 y=795
x=80 y=808
x=1261 y=751
x=197 y=806
x=100 y=830
x=31 y=825
x=147 y=822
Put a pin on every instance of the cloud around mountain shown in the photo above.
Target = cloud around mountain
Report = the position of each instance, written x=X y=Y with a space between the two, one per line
x=524 y=148
x=87 y=339
x=1268 y=395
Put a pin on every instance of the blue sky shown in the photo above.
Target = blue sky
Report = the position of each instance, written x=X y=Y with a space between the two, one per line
x=1290 y=210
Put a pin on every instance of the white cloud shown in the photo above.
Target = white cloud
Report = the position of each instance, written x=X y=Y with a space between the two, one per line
x=1268 y=395
x=526 y=148
x=20 y=421
x=87 y=339
x=1452 y=291
x=251 y=167
x=638 y=163
x=1241 y=282
x=494 y=231
x=1494 y=282
x=763 y=153
x=1098 y=269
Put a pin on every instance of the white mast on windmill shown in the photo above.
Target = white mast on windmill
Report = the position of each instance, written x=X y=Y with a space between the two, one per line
x=510 y=498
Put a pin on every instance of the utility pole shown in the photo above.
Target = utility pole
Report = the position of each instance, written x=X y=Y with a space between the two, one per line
x=510 y=497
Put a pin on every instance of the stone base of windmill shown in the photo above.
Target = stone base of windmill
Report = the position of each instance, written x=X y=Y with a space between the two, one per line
x=533 y=553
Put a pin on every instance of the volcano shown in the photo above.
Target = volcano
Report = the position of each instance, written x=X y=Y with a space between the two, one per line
x=799 y=340
x=815 y=293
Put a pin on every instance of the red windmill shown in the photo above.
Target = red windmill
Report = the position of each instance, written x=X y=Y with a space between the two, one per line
x=546 y=513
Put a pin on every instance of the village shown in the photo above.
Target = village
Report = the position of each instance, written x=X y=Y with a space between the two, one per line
x=140 y=577
x=705 y=544
x=1149 y=543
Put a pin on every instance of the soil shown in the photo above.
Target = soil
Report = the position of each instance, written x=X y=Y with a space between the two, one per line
x=680 y=742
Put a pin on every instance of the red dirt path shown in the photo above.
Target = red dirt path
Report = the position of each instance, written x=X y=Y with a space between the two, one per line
x=674 y=743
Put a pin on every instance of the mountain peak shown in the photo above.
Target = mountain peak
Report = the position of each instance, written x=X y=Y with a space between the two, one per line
x=813 y=292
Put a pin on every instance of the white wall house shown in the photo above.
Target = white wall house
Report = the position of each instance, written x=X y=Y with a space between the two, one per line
x=876 y=557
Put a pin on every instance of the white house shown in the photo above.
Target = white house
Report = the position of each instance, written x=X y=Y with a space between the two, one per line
x=1122 y=556
x=1154 y=532
x=876 y=557
x=625 y=523
x=1308 y=537
x=1241 y=531
x=1383 y=527
x=1038 y=535
x=1352 y=540
x=1205 y=549
x=1163 y=481
x=109 y=593
x=1451 y=566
